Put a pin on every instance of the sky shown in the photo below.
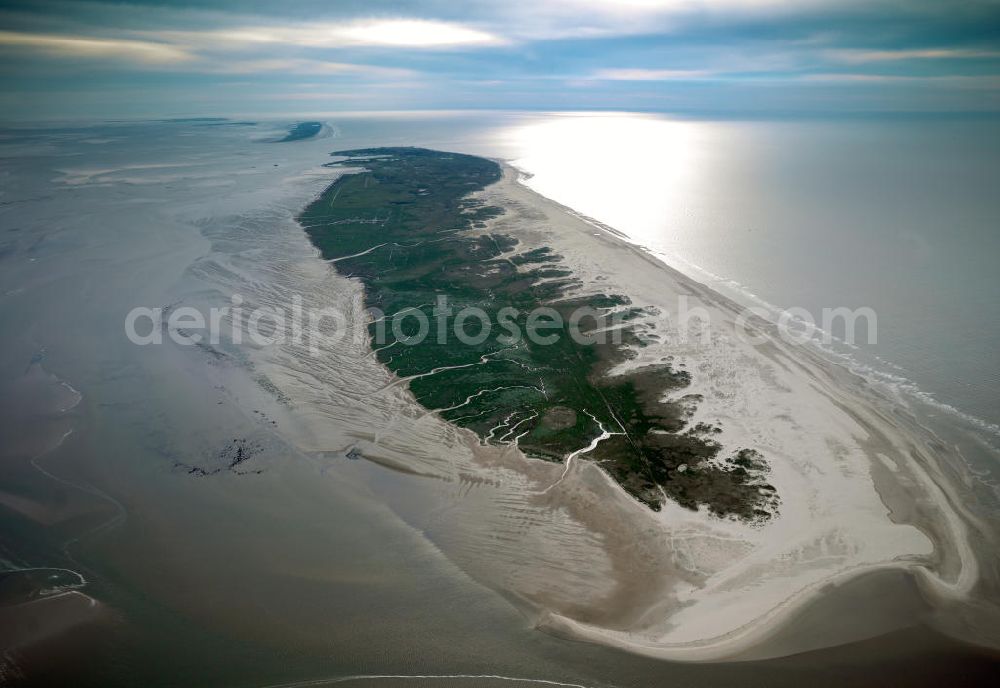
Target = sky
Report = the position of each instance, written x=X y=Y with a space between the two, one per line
x=68 y=60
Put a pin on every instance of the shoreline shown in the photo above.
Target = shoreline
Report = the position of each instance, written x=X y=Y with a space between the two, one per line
x=649 y=577
x=742 y=295
x=952 y=550
x=677 y=584
x=551 y=396
x=444 y=564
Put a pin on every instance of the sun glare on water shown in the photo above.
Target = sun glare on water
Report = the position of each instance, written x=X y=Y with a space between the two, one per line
x=630 y=171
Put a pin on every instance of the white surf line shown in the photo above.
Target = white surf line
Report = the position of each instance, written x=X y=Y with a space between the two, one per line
x=355 y=255
x=421 y=677
x=589 y=448
x=722 y=285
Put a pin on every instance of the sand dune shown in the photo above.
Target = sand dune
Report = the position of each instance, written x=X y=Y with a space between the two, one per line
x=861 y=484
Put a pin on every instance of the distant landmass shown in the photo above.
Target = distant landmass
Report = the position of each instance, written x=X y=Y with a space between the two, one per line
x=209 y=121
x=302 y=130
x=554 y=400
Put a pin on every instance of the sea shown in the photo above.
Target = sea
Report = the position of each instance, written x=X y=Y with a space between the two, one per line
x=895 y=220
x=294 y=579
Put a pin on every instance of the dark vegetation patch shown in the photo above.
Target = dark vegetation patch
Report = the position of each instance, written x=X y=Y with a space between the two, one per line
x=302 y=130
x=552 y=399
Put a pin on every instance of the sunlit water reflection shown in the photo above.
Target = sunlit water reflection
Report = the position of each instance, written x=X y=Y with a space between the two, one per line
x=897 y=216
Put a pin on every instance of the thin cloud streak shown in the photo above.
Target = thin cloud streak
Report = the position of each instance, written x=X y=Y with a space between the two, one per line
x=160 y=56
x=75 y=47
x=299 y=66
x=868 y=56
x=695 y=55
x=389 y=33
x=986 y=81
x=648 y=74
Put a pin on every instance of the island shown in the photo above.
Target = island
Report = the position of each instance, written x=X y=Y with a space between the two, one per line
x=302 y=130
x=406 y=222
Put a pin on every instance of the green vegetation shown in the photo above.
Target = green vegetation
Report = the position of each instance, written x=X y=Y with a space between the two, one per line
x=302 y=130
x=408 y=229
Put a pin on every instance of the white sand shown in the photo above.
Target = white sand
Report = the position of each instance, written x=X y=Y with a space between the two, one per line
x=860 y=489
x=828 y=446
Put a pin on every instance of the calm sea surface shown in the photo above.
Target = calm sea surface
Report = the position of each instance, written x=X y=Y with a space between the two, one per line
x=301 y=572
x=899 y=216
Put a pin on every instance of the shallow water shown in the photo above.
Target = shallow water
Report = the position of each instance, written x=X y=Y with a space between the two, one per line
x=898 y=216
x=300 y=572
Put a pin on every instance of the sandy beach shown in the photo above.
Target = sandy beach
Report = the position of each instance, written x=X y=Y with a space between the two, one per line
x=578 y=343
x=357 y=498
x=863 y=488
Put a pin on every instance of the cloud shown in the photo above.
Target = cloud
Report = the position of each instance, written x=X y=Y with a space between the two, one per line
x=609 y=53
x=297 y=66
x=867 y=56
x=386 y=33
x=675 y=6
x=415 y=33
x=531 y=20
x=648 y=74
x=147 y=52
x=157 y=55
x=960 y=81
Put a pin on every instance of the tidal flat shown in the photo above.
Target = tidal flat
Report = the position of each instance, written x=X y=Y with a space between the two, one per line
x=408 y=226
x=304 y=566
